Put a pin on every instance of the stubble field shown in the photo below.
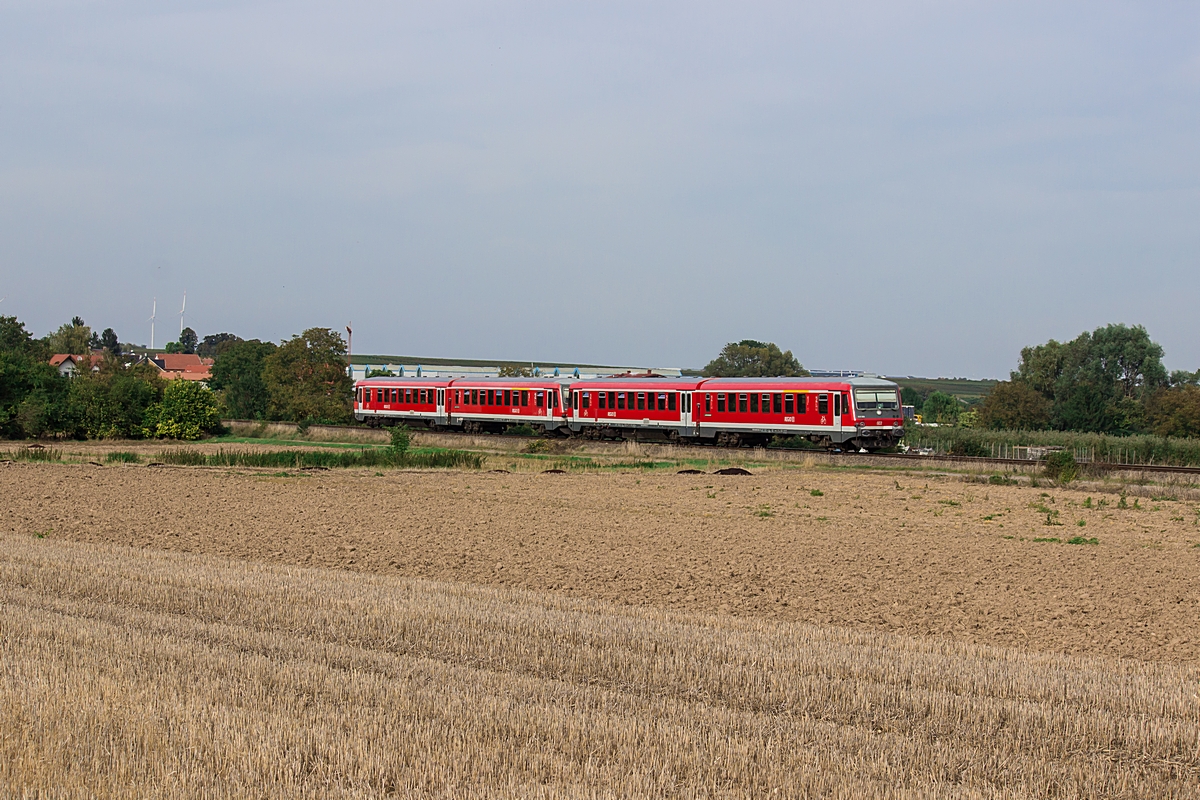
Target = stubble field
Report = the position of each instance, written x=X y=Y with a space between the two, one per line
x=449 y=634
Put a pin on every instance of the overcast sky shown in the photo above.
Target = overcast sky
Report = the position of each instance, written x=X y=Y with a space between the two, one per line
x=906 y=188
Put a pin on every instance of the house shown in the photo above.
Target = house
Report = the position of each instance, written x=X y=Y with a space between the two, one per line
x=186 y=366
x=69 y=364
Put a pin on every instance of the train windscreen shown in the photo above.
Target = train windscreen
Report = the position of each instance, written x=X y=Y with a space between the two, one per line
x=876 y=400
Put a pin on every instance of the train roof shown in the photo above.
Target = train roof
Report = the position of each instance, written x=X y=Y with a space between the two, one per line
x=654 y=382
x=858 y=383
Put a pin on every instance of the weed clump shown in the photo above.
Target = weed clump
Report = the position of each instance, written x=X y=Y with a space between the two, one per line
x=123 y=457
x=1082 y=540
x=1061 y=466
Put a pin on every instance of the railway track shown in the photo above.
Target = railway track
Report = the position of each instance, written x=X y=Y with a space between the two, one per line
x=1012 y=462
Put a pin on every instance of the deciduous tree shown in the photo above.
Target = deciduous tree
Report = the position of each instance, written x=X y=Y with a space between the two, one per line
x=1015 y=405
x=753 y=359
x=1175 y=411
x=306 y=378
x=74 y=337
x=238 y=375
x=187 y=341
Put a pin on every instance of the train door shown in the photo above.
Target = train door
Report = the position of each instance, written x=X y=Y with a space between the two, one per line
x=837 y=412
x=441 y=403
x=685 y=409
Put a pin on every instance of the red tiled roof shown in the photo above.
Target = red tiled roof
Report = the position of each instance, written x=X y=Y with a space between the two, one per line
x=177 y=362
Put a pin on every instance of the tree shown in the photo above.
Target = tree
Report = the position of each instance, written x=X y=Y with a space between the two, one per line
x=1184 y=378
x=32 y=393
x=238 y=375
x=187 y=410
x=187 y=341
x=74 y=337
x=111 y=403
x=941 y=408
x=110 y=342
x=515 y=371
x=306 y=378
x=215 y=344
x=1015 y=405
x=1175 y=411
x=752 y=359
x=173 y=347
x=1099 y=381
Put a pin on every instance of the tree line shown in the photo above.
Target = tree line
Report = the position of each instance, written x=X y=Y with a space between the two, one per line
x=1111 y=380
x=303 y=379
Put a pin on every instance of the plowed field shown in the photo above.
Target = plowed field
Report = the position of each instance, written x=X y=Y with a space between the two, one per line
x=865 y=550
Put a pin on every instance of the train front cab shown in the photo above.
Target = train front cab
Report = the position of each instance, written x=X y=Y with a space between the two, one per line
x=419 y=402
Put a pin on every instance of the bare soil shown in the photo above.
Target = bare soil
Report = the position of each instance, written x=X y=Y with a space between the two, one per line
x=906 y=553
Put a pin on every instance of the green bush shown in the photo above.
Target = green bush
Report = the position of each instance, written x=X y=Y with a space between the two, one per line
x=187 y=410
x=122 y=457
x=401 y=439
x=1061 y=466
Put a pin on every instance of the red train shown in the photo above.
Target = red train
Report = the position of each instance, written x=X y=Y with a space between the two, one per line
x=858 y=413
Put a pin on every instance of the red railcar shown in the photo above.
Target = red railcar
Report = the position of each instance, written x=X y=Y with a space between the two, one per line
x=493 y=404
x=391 y=401
x=853 y=413
x=620 y=406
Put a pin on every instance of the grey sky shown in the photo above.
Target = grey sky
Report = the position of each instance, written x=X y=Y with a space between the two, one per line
x=914 y=188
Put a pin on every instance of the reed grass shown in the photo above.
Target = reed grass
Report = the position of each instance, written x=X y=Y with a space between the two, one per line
x=132 y=672
x=1141 y=449
x=329 y=459
x=32 y=454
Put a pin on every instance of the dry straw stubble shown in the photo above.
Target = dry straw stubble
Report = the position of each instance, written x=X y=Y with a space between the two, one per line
x=130 y=670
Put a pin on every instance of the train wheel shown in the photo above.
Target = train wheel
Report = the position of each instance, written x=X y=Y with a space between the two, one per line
x=727 y=439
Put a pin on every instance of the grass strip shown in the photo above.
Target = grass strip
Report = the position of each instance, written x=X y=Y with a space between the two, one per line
x=339 y=459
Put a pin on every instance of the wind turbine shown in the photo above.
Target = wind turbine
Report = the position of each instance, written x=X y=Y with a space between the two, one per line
x=153 y=314
x=181 y=310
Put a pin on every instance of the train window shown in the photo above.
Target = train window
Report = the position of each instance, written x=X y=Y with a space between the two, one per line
x=602 y=398
x=708 y=403
x=822 y=404
x=671 y=401
x=612 y=400
x=766 y=403
x=662 y=402
x=801 y=404
x=789 y=404
x=491 y=397
x=621 y=400
x=721 y=402
x=508 y=397
x=524 y=397
x=540 y=399
x=777 y=403
x=846 y=409
x=554 y=399
x=837 y=405
x=742 y=403
x=641 y=401
x=753 y=403
x=587 y=399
